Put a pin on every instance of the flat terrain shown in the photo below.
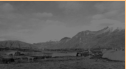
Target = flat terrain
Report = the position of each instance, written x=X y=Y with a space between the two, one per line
x=66 y=63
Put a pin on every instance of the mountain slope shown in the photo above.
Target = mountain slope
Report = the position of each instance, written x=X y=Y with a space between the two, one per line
x=16 y=44
x=107 y=37
x=102 y=38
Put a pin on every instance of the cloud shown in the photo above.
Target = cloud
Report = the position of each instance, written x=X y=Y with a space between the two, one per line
x=97 y=16
x=12 y=16
x=16 y=21
x=44 y=14
x=110 y=5
x=106 y=22
x=70 y=6
x=6 y=7
x=112 y=10
x=111 y=14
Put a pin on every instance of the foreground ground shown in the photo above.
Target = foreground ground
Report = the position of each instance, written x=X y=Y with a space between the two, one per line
x=66 y=63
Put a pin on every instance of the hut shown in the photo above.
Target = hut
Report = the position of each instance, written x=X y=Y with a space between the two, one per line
x=84 y=53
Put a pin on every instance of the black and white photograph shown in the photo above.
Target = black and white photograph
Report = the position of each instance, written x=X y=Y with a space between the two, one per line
x=62 y=34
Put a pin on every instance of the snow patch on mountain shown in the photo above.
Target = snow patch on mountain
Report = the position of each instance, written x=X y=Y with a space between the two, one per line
x=117 y=26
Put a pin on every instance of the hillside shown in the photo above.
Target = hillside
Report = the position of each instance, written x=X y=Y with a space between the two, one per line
x=104 y=38
x=14 y=44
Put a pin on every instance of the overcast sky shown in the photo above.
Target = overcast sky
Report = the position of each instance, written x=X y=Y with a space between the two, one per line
x=43 y=21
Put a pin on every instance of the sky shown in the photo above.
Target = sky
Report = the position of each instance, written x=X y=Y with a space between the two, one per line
x=43 y=21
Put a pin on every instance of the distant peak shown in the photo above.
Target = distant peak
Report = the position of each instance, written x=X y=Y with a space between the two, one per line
x=119 y=26
x=85 y=32
x=65 y=39
x=112 y=28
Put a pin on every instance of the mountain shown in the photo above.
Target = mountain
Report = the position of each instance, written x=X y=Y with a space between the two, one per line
x=15 y=44
x=65 y=39
x=107 y=37
x=47 y=45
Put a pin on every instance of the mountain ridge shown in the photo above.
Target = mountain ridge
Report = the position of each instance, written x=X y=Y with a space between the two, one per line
x=107 y=37
x=98 y=38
